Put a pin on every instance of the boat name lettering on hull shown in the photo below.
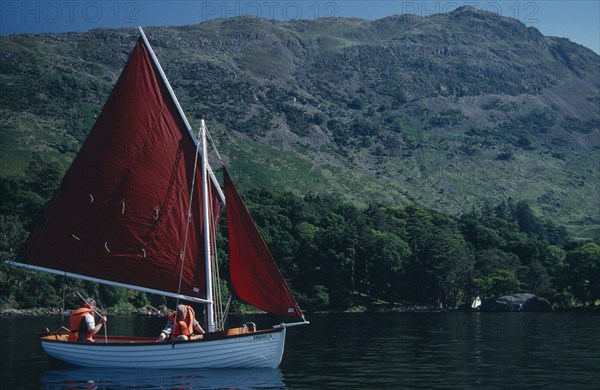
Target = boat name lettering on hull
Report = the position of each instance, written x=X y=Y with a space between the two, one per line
x=263 y=337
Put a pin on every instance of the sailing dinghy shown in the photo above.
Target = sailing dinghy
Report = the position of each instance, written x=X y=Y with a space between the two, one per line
x=139 y=208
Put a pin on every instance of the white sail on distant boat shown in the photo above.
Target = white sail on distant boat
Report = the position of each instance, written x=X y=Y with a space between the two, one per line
x=139 y=208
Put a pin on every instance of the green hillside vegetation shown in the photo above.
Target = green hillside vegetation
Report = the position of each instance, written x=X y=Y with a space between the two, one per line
x=447 y=112
x=447 y=119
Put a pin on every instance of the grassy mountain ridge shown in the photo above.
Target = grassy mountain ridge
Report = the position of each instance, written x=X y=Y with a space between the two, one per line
x=448 y=111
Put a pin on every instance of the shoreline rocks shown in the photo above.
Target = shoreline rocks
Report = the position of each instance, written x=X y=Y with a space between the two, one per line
x=516 y=302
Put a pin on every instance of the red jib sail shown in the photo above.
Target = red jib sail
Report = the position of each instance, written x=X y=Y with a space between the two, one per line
x=253 y=272
x=122 y=209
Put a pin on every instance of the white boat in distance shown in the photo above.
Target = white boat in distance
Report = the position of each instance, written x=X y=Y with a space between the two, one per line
x=139 y=208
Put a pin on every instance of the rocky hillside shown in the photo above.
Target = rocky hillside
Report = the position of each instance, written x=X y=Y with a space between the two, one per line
x=449 y=111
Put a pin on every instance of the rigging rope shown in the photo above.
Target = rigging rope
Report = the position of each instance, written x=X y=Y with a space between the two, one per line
x=185 y=237
x=220 y=312
x=226 y=310
x=217 y=287
x=62 y=311
x=214 y=146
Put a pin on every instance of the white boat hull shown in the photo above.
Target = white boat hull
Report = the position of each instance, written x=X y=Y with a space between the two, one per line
x=263 y=349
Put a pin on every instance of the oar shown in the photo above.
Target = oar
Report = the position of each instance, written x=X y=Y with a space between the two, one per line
x=97 y=312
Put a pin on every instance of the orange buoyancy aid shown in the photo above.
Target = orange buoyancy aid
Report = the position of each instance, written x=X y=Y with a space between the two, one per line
x=184 y=326
x=77 y=316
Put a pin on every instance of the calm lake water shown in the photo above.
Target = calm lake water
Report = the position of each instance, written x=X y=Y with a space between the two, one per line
x=352 y=351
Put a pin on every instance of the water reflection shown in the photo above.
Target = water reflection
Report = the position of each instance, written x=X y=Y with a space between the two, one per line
x=445 y=351
x=101 y=378
x=550 y=351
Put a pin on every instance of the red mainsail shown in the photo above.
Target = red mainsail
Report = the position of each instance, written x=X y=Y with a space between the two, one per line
x=254 y=275
x=122 y=209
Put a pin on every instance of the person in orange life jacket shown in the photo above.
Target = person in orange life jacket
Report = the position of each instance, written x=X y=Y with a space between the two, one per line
x=186 y=324
x=82 y=323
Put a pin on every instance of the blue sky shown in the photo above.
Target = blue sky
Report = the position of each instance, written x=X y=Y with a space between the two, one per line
x=578 y=21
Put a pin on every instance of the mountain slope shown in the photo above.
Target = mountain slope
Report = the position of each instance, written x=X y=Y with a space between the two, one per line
x=448 y=111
